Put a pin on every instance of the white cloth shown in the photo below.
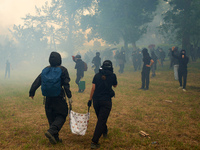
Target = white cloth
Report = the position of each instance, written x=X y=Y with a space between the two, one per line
x=176 y=71
x=78 y=122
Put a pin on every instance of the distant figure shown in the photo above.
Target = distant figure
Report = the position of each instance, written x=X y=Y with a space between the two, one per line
x=170 y=58
x=135 y=60
x=161 y=56
x=148 y=61
x=182 y=70
x=101 y=95
x=175 y=62
x=54 y=81
x=121 y=60
x=154 y=65
x=7 y=69
x=97 y=62
x=116 y=59
x=80 y=69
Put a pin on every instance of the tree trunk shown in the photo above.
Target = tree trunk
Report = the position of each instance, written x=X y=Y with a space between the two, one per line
x=134 y=46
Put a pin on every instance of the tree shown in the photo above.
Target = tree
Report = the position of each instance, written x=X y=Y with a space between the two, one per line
x=116 y=19
x=183 y=18
x=59 y=22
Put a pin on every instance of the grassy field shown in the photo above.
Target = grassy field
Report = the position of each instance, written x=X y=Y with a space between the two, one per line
x=170 y=116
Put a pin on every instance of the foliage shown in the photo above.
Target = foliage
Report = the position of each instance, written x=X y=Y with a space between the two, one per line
x=58 y=22
x=183 y=19
x=116 y=19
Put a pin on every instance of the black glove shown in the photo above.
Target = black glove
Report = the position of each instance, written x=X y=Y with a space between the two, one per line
x=89 y=103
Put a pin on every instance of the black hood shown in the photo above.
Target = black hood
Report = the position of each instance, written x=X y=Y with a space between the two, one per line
x=105 y=72
x=55 y=59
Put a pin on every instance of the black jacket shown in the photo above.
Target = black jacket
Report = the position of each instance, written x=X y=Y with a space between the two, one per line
x=181 y=61
x=102 y=90
x=96 y=61
x=54 y=60
x=80 y=67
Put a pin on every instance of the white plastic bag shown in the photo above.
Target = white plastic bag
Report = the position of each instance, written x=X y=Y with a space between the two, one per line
x=78 y=122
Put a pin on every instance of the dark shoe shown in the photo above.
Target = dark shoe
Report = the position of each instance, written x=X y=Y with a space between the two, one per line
x=145 y=89
x=95 y=145
x=141 y=88
x=58 y=140
x=51 y=138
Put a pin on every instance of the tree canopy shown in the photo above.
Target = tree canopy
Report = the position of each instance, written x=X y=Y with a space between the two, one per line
x=117 y=20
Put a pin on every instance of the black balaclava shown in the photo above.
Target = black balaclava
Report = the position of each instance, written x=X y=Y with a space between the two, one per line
x=107 y=65
x=183 y=52
x=55 y=59
x=145 y=52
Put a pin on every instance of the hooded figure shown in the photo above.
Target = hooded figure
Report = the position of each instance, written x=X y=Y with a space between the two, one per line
x=97 y=62
x=182 y=70
x=154 y=66
x=56 y=107
x=101 y=94
x=80 y=70
x=148 y=61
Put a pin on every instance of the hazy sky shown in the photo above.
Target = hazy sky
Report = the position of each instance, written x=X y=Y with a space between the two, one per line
x=11 y=12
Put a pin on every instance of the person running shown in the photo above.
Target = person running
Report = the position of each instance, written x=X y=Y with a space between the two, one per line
x=56 y=107
x=182 y=70
x=80 y=70
x=148 y=61
x=101 y=94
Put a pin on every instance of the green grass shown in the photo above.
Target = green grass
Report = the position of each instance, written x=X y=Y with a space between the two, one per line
x=170 y=125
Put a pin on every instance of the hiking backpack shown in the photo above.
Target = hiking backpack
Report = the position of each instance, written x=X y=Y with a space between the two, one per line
x=51 y=81
x=85 y=66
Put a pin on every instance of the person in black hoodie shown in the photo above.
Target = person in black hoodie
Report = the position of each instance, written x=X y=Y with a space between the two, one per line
x=97 y=62
x=101 y=94
x=56 y=108
x=148 y=61
x=154 y=65
x=80 y=70
x=182 y=70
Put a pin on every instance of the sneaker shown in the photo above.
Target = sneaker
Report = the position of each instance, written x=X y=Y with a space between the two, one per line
x=51 y=138
x=180 y=87
x=95 y=145
x=184 y=90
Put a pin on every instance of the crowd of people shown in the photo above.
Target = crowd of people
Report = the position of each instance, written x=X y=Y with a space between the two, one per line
x=104 y=79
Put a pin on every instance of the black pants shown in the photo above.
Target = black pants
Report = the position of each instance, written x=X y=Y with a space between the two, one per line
x=135 y=65
x=7 y=72
x=145 y=77
x=56 y=111
x=182 y=73
x=102 y=110
x=121 y=68
x=78 y=78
